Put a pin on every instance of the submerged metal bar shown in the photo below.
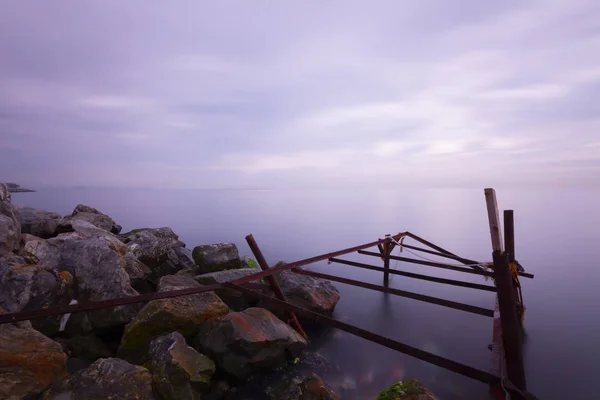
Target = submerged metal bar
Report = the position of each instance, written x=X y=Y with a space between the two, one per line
x=306 y=261
x=461 y=369
x=435 y=253
x=417 y=276
x=260 y=258
x=95 y=305
x=402 y=293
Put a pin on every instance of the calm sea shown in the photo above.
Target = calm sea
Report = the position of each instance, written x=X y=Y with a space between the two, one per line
x=557 y=239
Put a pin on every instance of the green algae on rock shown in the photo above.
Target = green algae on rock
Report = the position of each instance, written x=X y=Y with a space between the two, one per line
x=409 y=389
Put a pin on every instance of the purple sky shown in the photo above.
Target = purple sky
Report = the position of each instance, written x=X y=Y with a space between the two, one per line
x=306 y=93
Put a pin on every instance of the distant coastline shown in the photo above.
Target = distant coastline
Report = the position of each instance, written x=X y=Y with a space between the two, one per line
x=16 y=188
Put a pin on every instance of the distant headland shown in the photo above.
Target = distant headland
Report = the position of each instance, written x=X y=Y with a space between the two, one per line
x=16 y=188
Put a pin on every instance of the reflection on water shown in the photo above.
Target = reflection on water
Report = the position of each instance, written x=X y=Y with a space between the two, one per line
x=556 y=239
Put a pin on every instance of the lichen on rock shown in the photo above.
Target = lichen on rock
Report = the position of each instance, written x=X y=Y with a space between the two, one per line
x=409 y=389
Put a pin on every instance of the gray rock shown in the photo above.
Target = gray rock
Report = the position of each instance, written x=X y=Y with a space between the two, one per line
x=184 y=314
x=29 y=362
x=40 y=251
x=159 y=249
x=94 y=217
x=38 y=222
x=234 y=299
x=107 y=378
x=179 y=371
x=314 y=294
x=216 y=257
x=10 y=228
x=32 y=287
x=247 y=342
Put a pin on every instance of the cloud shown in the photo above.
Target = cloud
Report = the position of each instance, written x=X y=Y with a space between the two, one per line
x=275 y=94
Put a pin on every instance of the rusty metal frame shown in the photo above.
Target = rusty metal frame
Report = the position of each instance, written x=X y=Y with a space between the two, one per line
x=248 y=285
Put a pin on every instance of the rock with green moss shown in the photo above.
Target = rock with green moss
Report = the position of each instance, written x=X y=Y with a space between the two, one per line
x=216 y=257
x=184 y=314
x=179 y=372
x=409 y=389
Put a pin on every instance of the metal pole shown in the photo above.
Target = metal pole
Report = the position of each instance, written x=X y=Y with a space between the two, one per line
x=260 y=258
x=509 y=234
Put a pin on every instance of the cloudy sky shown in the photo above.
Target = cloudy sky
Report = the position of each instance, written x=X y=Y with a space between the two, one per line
x=267 y=93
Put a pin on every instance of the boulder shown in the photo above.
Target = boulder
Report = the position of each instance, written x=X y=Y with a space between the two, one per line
x=179 y=371
x=32 y=287
x=39 y=251
x=236 y=300
x=250 y=341
x=10 y=228
x=410 y=389
x=314 y=294
x=107 y=378
x=184 y=314
x=299 y=387
x=29 y=361
x=88 y=347
x=216 y=257
x=159 y=249
x=38 y=222
x=94 y=217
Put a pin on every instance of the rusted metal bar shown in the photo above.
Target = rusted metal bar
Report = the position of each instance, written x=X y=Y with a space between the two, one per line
x=312 y=260
x=410 y=295
x=435 y=253
x=456 y=367
x=470 y=285
x=509 y=319
x=260 y=258
x=441 y=265
x=96 y=305
x=429 y=244
x=386 y=250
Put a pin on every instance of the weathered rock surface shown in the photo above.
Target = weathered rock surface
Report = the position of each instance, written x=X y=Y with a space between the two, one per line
x=299 y=387
x=179 y=372
x=29 y=361
x=94 y=217
x=184 y=314
x=410 y=389
x=159 y=249
x=32 y=287
x=107 y=378
x=314 y=294
x=216 y=257
x=246 y=342
x=234 y=299
x=38 y=222
x=10 y=228
x=88 y=347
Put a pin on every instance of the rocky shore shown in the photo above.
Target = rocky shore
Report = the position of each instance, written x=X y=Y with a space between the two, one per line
x=212 y=345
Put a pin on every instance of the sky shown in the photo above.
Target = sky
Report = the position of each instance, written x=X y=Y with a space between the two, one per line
x=269 y=94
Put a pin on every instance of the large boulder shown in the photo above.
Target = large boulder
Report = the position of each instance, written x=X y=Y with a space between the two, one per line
x=184 y=314
x=98 y=262
x=216 y=257
x=315 y=294
x=235 y=299
x=179 y=372
x=33 y=287
x=38 y=222
x=10 y=228
x=159 y=249
x=410 y=389
x=94 y=217
x=29 y=361
x=107 y=378
x=250 y=341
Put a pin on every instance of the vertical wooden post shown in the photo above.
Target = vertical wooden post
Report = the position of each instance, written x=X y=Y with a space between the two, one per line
x=386 y=250
x=260 y=258
x=494 y=219
x=509 y=234
x=509 y=319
